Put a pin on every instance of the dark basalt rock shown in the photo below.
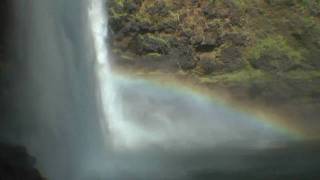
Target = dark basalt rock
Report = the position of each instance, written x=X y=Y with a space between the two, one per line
x=195 y=2
x=231 y=58
x=280 y=2
x=174 y=42
x=117 y=23
x=209 y=63
x=234 y=12
x=206 y=46
x=134 y=27
x=208 y=43
x=184 y=57
x=315 y=10
x=236 y=39
x=275 y=63
x=207 y=66
x=131 y=6
x=144 y=44
x=187 y=33
x=308 y=35
x=168 y=26
x=159 y=8
x=209 y=12
x=16 y=164
x=235 y=17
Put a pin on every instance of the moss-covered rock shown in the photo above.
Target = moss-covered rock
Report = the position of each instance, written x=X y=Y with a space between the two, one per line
x=208 y=64
x=184 y=57
x=150 y=44
x=274 y=54
x=207 y=42
x=261 y=49
x=281 y=2
x=232 y=59
x=158 y=8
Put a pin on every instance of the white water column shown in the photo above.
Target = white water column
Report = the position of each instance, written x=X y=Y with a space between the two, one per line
x=119 y=131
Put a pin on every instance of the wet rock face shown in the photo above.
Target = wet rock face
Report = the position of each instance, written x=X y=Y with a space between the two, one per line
x=231 y=58
x=184 y=57
x=210 y=12
x=238 y=40
x=16 y=164
x=273 y=63
x=208 y=42
x=150 y=44
x=131 y=6
x=165 y=28
x=182 y=31
x=207 y=66
x=159 y=8
x=280 y=2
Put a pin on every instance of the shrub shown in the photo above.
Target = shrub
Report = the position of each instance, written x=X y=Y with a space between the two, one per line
x=274 y=54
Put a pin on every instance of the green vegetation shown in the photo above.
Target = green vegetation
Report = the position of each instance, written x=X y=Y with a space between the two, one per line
x=151 y=43
x=308 y=3
x=274 y=53
x=265 y=47
x=303 y=75
x=243 y=76
x=153 y=54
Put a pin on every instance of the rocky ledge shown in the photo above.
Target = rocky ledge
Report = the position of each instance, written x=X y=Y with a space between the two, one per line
x=16 y=164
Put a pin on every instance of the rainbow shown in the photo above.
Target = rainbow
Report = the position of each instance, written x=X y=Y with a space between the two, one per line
x=278 y=124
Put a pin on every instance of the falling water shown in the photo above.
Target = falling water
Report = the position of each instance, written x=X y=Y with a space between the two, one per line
x=120 y=132
x=100 y=31
x=112 y=122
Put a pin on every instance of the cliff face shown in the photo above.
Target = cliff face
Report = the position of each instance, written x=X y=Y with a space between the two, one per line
x=263 y=50
x=218 y=36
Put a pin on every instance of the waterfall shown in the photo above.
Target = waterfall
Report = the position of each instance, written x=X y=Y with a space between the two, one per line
x=112 y=117
x=122 y=133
